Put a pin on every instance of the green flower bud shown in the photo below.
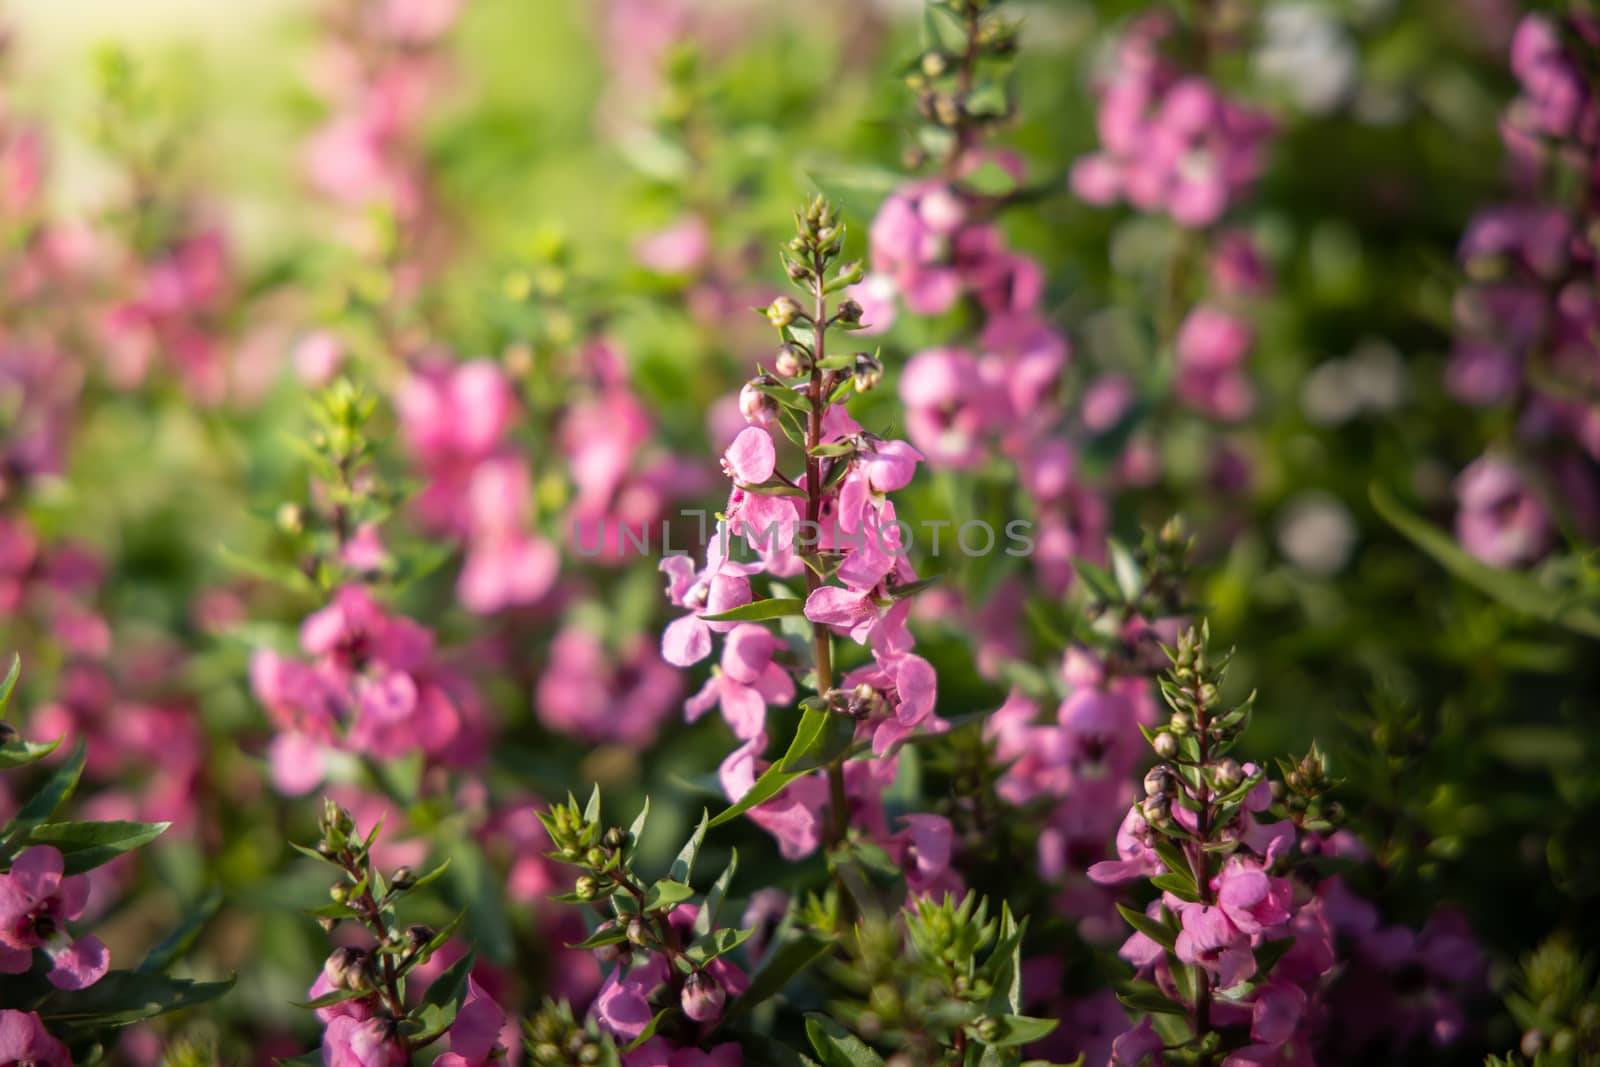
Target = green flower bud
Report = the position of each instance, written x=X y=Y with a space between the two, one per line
x=783 y=311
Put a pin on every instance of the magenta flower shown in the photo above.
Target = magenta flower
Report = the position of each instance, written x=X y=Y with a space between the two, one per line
x=475 y=1034
x=1251 y=899
x=24 y=1040
x=1500 y=520
x=349 y=1042
x=36 y=902
x=1209 y=941
x=658 y=1052
x=748 y=682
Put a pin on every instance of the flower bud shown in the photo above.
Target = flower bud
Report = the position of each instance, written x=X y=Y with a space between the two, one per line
x=703 y=997
x=757 y=407
x=339 y=892
x=8 y=733
x=1157 y=811
x=1166 y=745
x=988 y=1029
x=1180 y=723
x=791 y=362
x=419 y=934
x=615 y=838
x=636 y=930
x=403 y=878
x=849 y=313
x=1160 y=781
x=783 y=311
x=935 y=63
x=1229 y=775
x=868 y=372
x=344 y=968
x=586 y=887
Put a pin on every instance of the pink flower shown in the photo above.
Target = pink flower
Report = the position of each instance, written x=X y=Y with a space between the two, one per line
x=475 y=1034
x=1211 y=346
x=1209 y=941
x=794 y=816
x=348 y=1042
x=751 y=459
x=23 y=1039
x=1500 y=520
x=1251 y=899
x=679 y=249
x=1276 y=1013
x=589 y=692
x=658 y=1052
x=623 y=1006
x=36 y=902
x=748 y=682
x=949 y=407
x=1138 y=859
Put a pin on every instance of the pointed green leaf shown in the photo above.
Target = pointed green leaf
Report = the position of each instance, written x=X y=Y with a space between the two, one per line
x=759 y=610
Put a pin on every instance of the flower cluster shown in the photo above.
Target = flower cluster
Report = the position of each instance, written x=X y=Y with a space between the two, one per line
x=1527 y=317
x=672 y=977
x=1079 y=763
x=835 y=523
x=374 y=683
x=455 y=420
x=1247 y=956
x=1170 y=141
x=51 y=884
x=379 y=70
x=360 y=996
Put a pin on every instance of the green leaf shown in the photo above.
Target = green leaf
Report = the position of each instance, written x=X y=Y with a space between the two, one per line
x=473 y=887
x=86 y=845
x=1159 y=932
x=443 y=999
x=717 y=943
x=55 y=792
x=683 y=866
x=123 y=997
x=1151 y=1002
x=758 y=610
x=817 y=742
x=1129 y=575
x=422 y=881
x=829 y=738
x=649 y=1030
x=1174 y=857
x=1179 y=885
x=591 y=810
x=1515 y=591
x=310 y=1059
x=10 y=683
x=172 y=948
x=777 y=970
x=1021 y=1029
x=793 y=399
x=1099 y=581
x=434 y=944
x=836 y=1046
x=328 y=1000
x=665 y=894
x=606 y=935
x=707 y=918
x=834 y=448
x=22 y=753
x=636 y=831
